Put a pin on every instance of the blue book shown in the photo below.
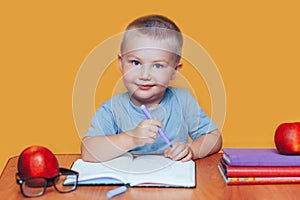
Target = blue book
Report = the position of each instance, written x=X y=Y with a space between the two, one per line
x=258 y=157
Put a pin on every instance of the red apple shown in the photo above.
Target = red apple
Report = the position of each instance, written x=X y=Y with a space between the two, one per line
x=37 y=161
x=287 y=138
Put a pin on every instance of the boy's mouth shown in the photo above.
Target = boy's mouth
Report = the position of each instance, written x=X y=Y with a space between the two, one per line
x=145 y=87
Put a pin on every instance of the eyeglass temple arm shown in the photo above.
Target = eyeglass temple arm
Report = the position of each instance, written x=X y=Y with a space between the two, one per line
x=67 y=171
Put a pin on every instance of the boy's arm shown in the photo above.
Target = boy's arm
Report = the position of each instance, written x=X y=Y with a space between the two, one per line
x=206 y=144
x=103 y=148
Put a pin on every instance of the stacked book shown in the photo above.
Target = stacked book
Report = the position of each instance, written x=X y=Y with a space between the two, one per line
x=258 y=166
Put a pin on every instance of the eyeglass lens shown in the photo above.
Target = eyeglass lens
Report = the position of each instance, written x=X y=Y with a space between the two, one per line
x=36 y=186
x=61 y=186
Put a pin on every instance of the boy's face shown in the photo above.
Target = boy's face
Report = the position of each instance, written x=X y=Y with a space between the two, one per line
x=147 y=66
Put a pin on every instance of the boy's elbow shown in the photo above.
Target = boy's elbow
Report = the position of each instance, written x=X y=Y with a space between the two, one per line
x=216 y=134
x=86 y=155
x=215 y=143
x=219 y=142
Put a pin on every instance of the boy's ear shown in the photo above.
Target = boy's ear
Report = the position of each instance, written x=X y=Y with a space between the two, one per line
x=176 y=71
x=120 y=62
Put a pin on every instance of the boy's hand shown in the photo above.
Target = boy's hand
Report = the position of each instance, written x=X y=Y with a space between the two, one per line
x=179 y=151
x=145 y=132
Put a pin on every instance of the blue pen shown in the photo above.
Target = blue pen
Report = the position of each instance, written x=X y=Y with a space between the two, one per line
x=161 y=133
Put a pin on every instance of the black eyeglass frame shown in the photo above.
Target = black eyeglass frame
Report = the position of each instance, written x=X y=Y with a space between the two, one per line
x=51 y=180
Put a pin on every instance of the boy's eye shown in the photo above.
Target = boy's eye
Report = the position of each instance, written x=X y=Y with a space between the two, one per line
x=158 y=66
x=135 y=63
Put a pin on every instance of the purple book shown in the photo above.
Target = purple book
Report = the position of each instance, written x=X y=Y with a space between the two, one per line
x=258 y=157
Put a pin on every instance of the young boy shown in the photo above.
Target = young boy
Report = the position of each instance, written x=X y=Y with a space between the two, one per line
x=149 y=59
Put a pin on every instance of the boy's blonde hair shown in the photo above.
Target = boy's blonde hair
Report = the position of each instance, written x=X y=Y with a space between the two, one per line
x=156 y=27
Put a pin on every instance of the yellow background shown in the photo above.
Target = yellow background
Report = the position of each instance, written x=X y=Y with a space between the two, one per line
x=255 y=45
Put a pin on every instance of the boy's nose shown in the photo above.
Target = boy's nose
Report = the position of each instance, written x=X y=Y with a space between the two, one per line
x=145 y=72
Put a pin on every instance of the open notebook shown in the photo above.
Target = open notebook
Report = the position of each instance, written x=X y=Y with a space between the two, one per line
x=141 y=171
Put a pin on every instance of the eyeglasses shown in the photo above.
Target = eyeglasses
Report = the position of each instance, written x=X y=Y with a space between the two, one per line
x=65 y=181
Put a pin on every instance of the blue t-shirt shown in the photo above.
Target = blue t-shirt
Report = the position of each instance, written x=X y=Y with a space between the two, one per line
x=179 y=112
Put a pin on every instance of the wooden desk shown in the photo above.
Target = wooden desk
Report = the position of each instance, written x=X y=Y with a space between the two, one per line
x=210 y=185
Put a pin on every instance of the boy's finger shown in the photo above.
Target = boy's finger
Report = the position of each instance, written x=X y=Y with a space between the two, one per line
x=156 y=122
x=179 y=155
x=167 y=152
x=188 y=157
x=153 y=129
